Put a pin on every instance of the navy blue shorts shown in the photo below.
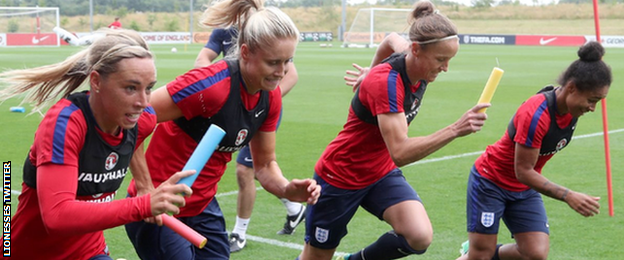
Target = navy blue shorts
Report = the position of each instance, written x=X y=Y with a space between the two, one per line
x=158 y=243
x=326 y=222
x=487 y=203
x=244 y=155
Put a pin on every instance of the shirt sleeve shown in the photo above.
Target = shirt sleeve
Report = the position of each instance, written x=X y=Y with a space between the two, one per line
x=202 y=91
x=532 y=122
x=60 y=135
x=382 y=91
x=215 y=42
x=62 y=213
x=147 y=124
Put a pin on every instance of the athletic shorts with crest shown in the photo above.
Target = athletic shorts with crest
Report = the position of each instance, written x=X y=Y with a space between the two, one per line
x=326 y=222
x=487 y=203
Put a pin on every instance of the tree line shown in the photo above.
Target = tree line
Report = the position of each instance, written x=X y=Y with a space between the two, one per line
x=122 y=7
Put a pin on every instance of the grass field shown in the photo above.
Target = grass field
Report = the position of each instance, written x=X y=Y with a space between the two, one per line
x=316 y=109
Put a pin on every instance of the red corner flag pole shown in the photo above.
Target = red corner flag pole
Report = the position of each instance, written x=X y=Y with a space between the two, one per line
x=605 y=127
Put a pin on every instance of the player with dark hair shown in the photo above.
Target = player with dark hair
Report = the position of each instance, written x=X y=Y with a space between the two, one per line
x=115 y=24
x=360 y=167
x=240 y=95
x=82 y=149
x=506 y=181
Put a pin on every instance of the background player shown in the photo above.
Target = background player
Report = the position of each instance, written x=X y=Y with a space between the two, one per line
x=115 y=24
x=506 y=181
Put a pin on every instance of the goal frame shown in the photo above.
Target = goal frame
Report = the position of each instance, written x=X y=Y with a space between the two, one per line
x=37 y=9
x=371 y=27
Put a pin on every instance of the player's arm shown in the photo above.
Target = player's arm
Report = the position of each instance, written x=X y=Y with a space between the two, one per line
x=205 y=57
x=404 y=149
x=270 y=176
x=138 y=165
x=393 y=43
x=140 y=171
x=61 y=213
x=164 y=106
x=524 y=164
x=290 y=79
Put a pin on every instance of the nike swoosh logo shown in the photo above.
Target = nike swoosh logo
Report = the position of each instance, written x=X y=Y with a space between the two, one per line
x=227 y=43
x=259 y=113
x=293 y=224
x=240 y=244
x=248 y=159
x=544 y=42
x=36 y=41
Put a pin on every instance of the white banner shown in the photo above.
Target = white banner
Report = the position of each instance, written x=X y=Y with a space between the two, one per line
x=159 y=37
x=3 y=39
x=166 y=37
x=608 y=40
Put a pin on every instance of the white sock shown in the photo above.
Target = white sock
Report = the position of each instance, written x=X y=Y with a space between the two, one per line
x=241 y=227
x=292 y=208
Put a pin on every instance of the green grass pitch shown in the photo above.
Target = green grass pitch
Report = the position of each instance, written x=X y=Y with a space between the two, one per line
x=317 y=107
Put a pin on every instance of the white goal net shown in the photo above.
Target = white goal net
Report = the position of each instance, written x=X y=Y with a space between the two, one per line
x=371 y=25
x=29 y=26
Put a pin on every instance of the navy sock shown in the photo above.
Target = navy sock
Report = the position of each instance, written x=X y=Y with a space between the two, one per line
x=389 y=246
x=495 y=257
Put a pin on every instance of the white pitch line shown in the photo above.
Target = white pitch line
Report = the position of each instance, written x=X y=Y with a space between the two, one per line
x=234 y=192
x=439 y=159
x=444 y=158
x=282 y=244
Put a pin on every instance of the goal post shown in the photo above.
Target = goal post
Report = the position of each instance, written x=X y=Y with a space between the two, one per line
x=29 y=26
x=371 y=25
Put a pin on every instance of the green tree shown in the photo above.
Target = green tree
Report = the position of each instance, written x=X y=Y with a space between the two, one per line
x=135 y=26
x=13 y=26
x=171 y=25
x=481 y=4
x=64 y=22
x=151 y=18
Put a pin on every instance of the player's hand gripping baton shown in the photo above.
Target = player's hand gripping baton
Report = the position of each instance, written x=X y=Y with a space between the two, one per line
x=196 y=162
x=490 y=87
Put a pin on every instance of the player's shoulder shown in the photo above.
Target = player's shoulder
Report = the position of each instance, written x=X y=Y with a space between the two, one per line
x=149 y=115
x=66 y=111
x=222 y=32
x=147 y=122
x=64 y=119
x=536 y=100
x=535 y=104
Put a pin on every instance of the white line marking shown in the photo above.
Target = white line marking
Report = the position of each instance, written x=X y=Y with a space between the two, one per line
x=234 y=192
x=281 y=243
x=444 y=158
x=480 y=152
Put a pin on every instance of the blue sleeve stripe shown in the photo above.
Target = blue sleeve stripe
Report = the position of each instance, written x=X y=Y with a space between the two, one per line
x=392 y=95
x=60 y=129
x=200 y=85
x=150 y=110
x=535 y=121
